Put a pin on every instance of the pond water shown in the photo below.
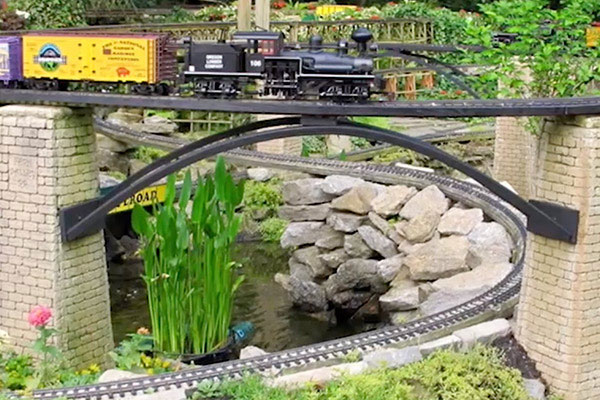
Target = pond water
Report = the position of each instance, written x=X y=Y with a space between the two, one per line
x=259 y=300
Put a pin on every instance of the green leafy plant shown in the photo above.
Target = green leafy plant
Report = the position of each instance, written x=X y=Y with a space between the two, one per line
x=128 y=355
x=271 y=229
x=262 y=197
x=313 y=145
x=189 y=275
x=148 y=154
x=15 y=371
x=52 y=13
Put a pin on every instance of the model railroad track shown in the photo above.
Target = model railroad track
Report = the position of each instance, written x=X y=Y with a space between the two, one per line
x=429 y=108
x=496 y=301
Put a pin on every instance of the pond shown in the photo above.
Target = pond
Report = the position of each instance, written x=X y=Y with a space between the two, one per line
x=259 y=300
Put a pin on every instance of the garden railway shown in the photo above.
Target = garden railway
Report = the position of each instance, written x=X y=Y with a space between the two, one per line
x=496 y=301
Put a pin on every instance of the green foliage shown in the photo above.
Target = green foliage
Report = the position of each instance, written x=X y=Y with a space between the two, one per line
x=169 y=114
x=262 y=197
x=360 y=143
x=15 y=371
x=551 y=43
x=48 y=370
x=44 y=14
x=189 y=276
x=132 y=355
x=313 y=145
x=148 y=154
x=271 y=229
x=477 y=375
x=379 y=122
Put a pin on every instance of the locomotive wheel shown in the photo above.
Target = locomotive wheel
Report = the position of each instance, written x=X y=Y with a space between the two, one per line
x=143 y=89
x=162 y=89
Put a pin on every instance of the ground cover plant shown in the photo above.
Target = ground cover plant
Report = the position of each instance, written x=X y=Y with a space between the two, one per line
x=479 y=374
x=190 y=277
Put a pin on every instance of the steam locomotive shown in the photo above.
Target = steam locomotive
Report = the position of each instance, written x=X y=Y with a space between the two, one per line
x=224 y=69
x=254 y=63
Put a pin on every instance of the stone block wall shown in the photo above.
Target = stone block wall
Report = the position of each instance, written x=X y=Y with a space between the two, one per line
x=515 y=154
x=559 y=312
x=47 y=161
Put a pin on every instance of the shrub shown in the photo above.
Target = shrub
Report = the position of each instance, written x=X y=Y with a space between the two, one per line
x=45 y=14
x=189 y=275
x=265 y=197
x=271 y=229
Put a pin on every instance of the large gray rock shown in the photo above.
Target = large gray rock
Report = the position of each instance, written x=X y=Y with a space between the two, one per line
x=535 y=388
x=330 y=240
x=109 y=161
x=350 y=300
x=443 y=300
x=390 y=201
x=447 y=342
x=299 y=233
x=429 y=199
x=259 y=174
x=344 y=221
x=485 y=332
x=106 y=143
x=355 y=247
x=422 y=227
x=310 y=256
x=377 y=241
x=389 y=268
x=300 y=270
x=384 y=226
x=306 y=295
x=490 y=244
x=305 y=191
x=283 y=280
x=335 y=258
x=483 y=276
x=355 y=274
x=392 y=358
x=156 y=124
x=401 y=299
x=457 y=221
x=304 y=213
x=338 y=185
x=357 y=200
x=125 y=119
x=438 y=258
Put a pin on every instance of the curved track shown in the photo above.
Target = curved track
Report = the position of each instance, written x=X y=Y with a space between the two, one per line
x=495 y=301
x=430 y=108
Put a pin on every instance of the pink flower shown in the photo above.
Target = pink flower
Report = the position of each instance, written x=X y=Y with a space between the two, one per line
x=39 y=316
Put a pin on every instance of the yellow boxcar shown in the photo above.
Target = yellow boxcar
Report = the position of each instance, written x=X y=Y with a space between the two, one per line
x=592 y=36
x=106 y=58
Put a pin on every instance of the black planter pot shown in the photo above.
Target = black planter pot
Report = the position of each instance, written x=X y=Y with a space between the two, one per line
x=225 y=353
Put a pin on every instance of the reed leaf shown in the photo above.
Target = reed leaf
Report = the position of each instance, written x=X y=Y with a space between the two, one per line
x=190 y=278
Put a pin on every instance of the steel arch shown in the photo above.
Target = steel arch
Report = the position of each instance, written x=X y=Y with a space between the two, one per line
x=549 y=220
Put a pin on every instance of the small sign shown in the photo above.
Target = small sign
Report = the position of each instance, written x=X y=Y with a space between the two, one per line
x=145 y=197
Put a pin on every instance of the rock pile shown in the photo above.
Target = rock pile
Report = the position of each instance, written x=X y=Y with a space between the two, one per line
x=371 y=251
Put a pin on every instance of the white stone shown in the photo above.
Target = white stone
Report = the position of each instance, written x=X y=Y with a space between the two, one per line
x=344 y=221
x=316 y=212
x=259 y=174
x=429 y=199
x=357 y=200
x=299 y=233
x=445 y=299
x=438 y=258
x=484 y=333
x=535 y=388
x=422 y=227
x=457 y=221
x=340 y=184
x=305 y=191
x=390 y=201
x=489 y=244
x=447 y=342
x=392 y=358
x=483 y=276
x=251 y=351
x=318 y=376
x=401 y=299
x=113 y=375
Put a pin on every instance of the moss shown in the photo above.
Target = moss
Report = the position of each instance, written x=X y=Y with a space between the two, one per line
x=148 y=154
x=265 y=197
x=271 y=229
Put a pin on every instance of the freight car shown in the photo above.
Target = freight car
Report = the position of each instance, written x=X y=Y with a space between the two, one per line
x=256 y=63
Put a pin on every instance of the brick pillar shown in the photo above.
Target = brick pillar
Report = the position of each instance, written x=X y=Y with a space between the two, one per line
x=515 y=154
x=559 y=312
x=47 y=161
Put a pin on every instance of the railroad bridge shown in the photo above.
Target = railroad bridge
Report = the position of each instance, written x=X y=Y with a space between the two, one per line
x=51 y=247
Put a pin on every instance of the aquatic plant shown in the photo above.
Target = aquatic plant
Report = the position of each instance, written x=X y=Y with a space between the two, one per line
x=190 y=278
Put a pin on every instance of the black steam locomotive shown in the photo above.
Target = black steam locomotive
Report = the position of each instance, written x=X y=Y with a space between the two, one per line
x=260 y=63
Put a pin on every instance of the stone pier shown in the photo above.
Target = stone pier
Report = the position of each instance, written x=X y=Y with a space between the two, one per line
x=558 y=321
x=47 y=161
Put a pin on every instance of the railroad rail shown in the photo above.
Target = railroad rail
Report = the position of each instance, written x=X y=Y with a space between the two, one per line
x=496 y=301
x=428 y=108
